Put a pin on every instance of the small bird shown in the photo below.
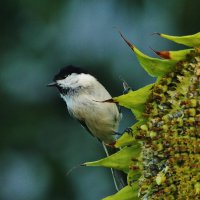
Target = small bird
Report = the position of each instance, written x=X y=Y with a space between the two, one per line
x=85 y=98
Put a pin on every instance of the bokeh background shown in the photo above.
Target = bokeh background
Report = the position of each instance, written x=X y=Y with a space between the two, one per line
x=39 y=142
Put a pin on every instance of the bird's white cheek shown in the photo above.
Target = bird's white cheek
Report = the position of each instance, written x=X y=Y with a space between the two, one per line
x=68 y=100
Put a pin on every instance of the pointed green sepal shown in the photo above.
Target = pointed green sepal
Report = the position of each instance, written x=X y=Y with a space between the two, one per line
x=120 y=160
x=188 y=40
x=128 y=138
x=125 y=140
x=135 y=100
x=127 y=193
x=133 y=175
x=153 y=66
x=174 y=55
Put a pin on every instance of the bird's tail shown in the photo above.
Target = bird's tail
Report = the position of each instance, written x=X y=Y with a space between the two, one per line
x=119 y=177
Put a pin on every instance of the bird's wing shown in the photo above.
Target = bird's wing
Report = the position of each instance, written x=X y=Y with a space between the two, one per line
x=83 y=124
x=81 y=121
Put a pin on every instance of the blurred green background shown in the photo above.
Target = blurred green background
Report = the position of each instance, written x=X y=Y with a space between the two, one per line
x=39 y=142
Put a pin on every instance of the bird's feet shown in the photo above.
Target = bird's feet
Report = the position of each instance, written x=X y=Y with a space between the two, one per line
x=127 y=130
x=112 y=144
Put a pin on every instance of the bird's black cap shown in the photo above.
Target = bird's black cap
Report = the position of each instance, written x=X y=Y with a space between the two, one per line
x=68 y=70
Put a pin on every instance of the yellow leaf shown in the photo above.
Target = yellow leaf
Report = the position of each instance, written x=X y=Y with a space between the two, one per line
x=135 y=100
x=120 y=160
x=173 y=55
x=153 y=66
x=128 y=138
x=127 y=193
x=188 y=40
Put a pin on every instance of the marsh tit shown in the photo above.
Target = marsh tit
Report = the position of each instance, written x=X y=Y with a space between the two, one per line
x=84 y=96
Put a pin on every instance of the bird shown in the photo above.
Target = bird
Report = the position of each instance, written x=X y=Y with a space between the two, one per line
x=85 y=98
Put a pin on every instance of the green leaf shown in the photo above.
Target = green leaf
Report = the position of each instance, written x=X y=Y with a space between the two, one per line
x=120 y=160
x=133 y=176
x=125 y=140
x=188 y=40
x=174 y=55
x=128 y=138
x=127 y=193
x=153 y=66
x=135 y=100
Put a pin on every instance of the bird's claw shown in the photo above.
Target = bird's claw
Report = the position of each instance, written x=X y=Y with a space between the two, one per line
x=117 y=133
x=112 y=144
x=128 y=130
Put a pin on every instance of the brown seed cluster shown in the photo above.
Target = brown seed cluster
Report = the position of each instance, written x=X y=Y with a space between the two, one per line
x=171 y=135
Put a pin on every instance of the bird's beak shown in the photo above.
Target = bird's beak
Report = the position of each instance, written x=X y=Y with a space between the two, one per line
x=53 y=84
